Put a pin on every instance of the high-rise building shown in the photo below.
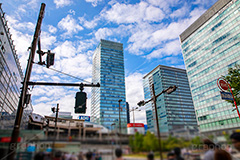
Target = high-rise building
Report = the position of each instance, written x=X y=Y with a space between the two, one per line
x=108 y=70
x=210 y=46
x=175 y=111
x=11 y=77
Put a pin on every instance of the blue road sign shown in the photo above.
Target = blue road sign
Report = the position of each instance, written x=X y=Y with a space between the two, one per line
x=226 y=95
x=86 y=118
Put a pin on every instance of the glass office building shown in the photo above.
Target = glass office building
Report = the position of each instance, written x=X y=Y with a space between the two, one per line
x=175 y=111
x=108 y=70
x=11 y=77
x=210 y=46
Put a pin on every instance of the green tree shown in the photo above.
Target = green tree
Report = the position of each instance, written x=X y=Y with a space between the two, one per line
x=150 y=142
x=233 y=79
x=196 y=142
x=137 y=142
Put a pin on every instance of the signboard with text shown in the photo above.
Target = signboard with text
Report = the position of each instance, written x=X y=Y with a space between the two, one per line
x=86 y=118
x=226 y=95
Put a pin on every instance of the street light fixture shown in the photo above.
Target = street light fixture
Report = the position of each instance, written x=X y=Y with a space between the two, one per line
x=132 y=110
x=169 y=90
x=119 y=102
x=55 y=128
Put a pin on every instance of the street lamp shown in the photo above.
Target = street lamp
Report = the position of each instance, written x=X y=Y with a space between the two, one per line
x=132 y=110
x=56 y=118
x=112 y=140
x=169 y=90
x=119 y=101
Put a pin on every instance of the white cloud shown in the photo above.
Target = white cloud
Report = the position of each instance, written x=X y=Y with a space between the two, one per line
x=94 y=2
x=89 y=24
x=70 y=61
x=181 y=12
x=102 y=33
x=165 y=5
x=65 y=50
x=70 y=25
x=170 y=48
x=62 y=3
x=128 y=13
x=134 y=94
x=52 y=29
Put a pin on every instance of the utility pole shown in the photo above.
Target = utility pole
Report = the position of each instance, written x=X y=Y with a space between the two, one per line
x=154 y=98
x=55 y=129
x=15 y=133
x=119 y=101
x=169 y=90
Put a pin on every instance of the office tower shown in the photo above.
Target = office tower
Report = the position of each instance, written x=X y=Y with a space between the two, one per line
x=210 y=46
x=108 y=70
x=175 y=111
x=11 y=77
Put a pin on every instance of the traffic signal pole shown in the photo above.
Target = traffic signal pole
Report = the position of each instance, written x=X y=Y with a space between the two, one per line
x=15 y=133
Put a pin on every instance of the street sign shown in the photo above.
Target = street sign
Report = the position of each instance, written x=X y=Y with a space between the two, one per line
x=223 y=84
x=86 y=118
x=226 y=95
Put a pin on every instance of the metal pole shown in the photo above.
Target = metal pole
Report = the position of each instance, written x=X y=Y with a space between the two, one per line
x=15 y=133
x=55 y=128
x=119 y=101
x=156 y=116
x=133 y=121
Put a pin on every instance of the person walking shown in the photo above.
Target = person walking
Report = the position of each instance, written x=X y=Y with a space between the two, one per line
x=209 y=147
x=221 y=154
x=150 y=156
x=118 y=153
x=177 y=152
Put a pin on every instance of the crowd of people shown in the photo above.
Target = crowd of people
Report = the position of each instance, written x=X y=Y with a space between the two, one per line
x=212 y=152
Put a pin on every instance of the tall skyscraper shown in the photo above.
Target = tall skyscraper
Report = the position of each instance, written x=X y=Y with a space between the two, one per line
x=175 y=111
x=210 y=46
x=11 y=77
x=108 y=70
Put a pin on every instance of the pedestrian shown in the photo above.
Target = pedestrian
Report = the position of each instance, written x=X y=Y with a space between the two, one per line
x=89 y=155
x=39 y=156
x=177 y=152
x=150 y=156
x=98 y=156
x=221 y=154
x=73 y=156
x=80 y=156
x=171 y=156
x=209 y=148
x=235 y=137
x=118 y=153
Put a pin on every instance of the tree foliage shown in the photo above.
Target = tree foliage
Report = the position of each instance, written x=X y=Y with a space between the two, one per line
x=149 y=142
x=233 y=79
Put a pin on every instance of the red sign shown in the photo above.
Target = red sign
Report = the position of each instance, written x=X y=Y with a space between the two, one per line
x=135 y=125
x=8 y=139
x=223 y=84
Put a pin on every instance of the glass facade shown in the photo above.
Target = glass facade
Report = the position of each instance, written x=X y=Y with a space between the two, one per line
x=11 y=77
x=108 y=70
x=175 y=110
x=208 y=52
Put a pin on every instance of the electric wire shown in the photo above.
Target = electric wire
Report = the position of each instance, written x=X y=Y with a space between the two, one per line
x=65 y=74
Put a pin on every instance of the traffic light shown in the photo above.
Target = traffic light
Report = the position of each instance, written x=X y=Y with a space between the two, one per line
x=50 y=59
x=80 y=102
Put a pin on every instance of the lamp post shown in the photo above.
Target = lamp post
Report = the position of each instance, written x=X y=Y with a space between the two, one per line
x=119 y=101
x=169 y=90
x=55 y=133
x=132 y=110
x=112 y=140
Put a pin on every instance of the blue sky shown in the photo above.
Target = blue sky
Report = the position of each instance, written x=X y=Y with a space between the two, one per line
x=148 y=29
